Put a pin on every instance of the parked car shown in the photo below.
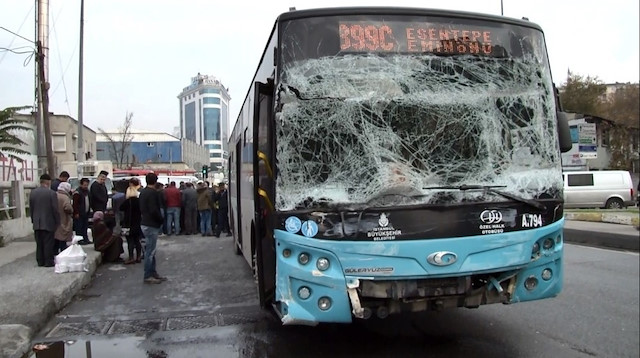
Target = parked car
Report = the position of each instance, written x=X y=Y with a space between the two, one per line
x=610 y=189
x=166 y=179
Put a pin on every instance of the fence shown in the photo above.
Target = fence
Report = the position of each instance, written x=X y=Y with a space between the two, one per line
x=15 y=219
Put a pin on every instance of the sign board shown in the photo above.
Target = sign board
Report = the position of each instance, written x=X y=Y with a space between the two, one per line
x=587 y=141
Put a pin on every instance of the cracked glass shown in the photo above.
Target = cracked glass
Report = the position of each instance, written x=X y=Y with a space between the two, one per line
x=387 y=110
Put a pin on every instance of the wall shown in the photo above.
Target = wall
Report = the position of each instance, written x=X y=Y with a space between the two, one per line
x=194 y=155
x=64 y=125
x=157 y=151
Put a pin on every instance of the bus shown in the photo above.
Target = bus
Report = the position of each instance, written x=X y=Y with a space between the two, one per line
x=391 y=160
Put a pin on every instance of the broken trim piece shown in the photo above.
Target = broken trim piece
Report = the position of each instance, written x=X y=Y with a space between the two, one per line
x=358 y=310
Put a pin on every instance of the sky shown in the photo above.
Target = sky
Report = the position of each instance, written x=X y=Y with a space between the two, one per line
x=139 y=55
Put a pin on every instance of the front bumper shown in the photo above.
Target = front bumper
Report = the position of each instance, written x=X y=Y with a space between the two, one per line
x=363 y=276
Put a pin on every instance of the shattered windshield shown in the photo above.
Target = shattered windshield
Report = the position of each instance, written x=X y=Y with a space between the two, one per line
x=370 y=108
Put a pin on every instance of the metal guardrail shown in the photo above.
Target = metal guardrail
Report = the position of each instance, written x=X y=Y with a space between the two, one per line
x=11 y=206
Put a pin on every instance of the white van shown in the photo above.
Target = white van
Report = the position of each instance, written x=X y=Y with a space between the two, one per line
x=610 y=189
x=166 y=179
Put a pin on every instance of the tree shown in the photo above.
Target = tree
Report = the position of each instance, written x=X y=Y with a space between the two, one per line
x=622 y=108
x=582 y=94
x=9 y=142
x=119 y=142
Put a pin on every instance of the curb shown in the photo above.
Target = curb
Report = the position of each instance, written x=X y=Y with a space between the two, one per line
x=612 y=218
x=16 y=338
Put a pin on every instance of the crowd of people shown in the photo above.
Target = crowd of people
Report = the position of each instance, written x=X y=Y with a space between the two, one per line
x=138 y=215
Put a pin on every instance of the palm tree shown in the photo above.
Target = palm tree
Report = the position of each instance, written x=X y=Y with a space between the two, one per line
x=9 y=143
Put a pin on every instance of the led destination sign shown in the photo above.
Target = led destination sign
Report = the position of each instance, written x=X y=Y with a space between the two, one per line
x=376 y=36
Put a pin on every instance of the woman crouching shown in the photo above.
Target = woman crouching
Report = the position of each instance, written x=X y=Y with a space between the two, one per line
x=105 y=241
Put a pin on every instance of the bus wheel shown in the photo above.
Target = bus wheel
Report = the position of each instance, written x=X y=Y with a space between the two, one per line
x=614 y=203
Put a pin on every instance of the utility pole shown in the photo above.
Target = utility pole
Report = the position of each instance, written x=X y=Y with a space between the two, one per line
x=45 y=149
x=170 y=161
x=80 y=151
x=501 y=8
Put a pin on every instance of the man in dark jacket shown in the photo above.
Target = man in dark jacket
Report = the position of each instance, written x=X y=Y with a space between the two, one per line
x=45 y=217
x=190 y=205
x=223 y=210
x=98 y=195
x=63 y=177
x=151 y=224
x=81 y=211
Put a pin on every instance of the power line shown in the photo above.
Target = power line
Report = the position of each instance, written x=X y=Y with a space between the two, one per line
x=20 y=28
x=64 y=86
x=17 y=51
x=13 y=33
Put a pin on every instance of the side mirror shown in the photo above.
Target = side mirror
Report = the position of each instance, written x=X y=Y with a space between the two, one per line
x=564 y=136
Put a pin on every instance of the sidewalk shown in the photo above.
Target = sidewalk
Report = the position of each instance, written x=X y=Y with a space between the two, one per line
x=31 y=295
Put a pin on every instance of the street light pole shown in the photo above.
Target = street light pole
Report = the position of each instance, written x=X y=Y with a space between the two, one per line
x=45 y=149
x=80 y=156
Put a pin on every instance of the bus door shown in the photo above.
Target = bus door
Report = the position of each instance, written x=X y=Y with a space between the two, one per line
x=235 y=179
x=264 y=170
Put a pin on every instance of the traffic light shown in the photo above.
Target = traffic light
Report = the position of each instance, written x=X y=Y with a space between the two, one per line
x=205 y=171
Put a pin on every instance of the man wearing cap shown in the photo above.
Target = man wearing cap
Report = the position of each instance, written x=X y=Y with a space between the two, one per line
x=98 y=195
x=45 y=217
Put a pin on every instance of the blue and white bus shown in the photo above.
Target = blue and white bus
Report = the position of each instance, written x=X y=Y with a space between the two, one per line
x=393 y=160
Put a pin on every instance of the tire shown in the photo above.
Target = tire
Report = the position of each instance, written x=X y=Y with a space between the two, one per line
x=614 y=203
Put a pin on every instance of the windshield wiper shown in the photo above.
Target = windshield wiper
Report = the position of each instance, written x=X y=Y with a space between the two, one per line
x=491 y=189
x=385 y=196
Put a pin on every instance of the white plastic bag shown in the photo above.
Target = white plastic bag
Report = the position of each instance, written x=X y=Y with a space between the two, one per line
x=76 y=239
x=72 y=259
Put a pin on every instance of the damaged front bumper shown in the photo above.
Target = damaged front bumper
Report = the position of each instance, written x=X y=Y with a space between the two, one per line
x=309 y=291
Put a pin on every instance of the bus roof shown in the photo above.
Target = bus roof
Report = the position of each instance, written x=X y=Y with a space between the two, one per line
x=381 y=10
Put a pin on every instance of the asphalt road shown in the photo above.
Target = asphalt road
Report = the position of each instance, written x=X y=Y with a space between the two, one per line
x=208 y=308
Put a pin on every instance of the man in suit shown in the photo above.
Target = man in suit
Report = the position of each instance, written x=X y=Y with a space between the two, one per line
x=45 y=217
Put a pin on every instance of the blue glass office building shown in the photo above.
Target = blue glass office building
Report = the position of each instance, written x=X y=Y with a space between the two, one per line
x=204 y=117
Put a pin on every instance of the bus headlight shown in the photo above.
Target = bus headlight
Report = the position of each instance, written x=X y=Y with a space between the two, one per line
x=547 y=244
x=303 y=258
x=546 y=274
x=322 y=264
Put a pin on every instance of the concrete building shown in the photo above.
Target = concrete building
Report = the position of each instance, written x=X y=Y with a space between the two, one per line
x=64 y=136
x=204 y=117
x=152 y=148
